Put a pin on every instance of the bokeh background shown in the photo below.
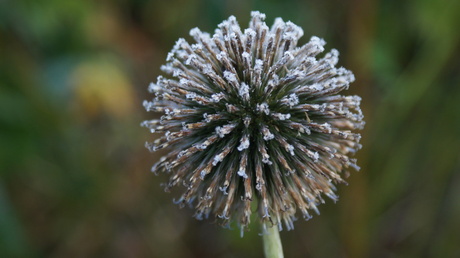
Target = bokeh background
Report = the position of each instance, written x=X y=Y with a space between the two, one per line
x=74 y=173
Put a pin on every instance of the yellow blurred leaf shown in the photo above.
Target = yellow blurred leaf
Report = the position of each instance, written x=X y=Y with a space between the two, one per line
x=102 y=86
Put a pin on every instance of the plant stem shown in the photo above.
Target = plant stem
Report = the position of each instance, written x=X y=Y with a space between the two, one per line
x=272 y=243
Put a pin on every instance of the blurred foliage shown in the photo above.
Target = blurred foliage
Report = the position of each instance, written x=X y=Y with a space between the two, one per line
x=74 y=178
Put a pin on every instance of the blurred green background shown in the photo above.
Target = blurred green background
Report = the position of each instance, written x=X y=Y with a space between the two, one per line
x=74 y=173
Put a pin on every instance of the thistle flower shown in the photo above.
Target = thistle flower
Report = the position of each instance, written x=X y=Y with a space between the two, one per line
x=250 y=117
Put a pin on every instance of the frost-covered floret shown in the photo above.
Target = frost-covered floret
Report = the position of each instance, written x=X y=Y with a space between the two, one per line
x=250 y=116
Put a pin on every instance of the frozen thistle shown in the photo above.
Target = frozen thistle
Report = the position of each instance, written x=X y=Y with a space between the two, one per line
x=249 y=116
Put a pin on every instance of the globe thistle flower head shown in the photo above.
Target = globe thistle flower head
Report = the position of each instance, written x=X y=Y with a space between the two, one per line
x=251 y=117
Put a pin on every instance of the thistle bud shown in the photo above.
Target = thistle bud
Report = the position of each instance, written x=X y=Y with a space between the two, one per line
x=250 y=116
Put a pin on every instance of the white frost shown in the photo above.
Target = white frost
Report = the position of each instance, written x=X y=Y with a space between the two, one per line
x=244 y=91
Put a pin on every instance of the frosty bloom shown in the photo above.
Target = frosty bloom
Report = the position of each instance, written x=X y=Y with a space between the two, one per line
x=254 y=122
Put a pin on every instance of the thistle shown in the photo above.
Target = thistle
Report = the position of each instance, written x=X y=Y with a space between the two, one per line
x=254 y=122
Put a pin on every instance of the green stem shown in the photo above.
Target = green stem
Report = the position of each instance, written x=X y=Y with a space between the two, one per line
x=272 y=243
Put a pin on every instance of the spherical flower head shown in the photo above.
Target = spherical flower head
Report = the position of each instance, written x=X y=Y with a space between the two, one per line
x=252 y=121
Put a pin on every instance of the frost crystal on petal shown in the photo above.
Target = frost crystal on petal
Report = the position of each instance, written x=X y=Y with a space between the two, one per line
x=251 y=116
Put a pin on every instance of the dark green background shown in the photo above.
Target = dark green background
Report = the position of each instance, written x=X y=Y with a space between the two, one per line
x=74 y=175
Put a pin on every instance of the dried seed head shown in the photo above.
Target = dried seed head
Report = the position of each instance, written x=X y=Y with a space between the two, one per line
x=251 y=117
